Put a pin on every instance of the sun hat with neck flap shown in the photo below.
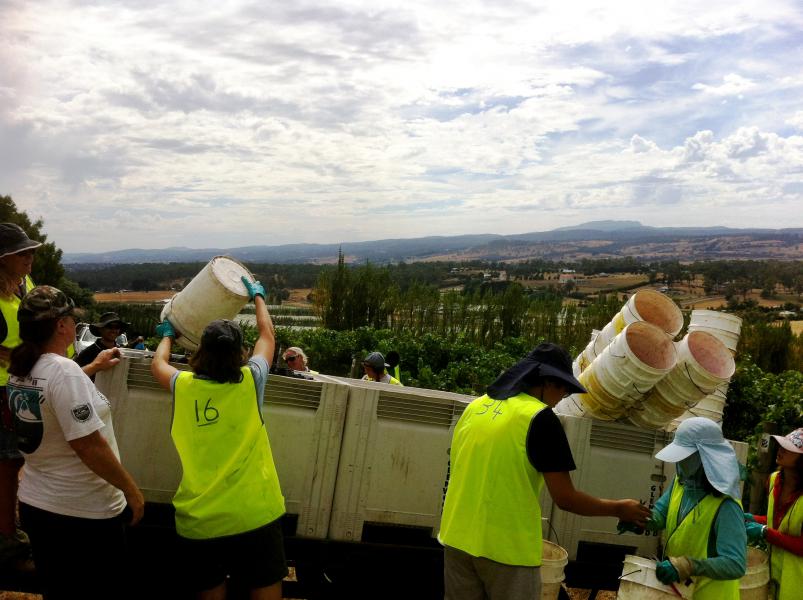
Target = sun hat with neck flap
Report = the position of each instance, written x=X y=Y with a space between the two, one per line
x=699 y=434
x=545 y=360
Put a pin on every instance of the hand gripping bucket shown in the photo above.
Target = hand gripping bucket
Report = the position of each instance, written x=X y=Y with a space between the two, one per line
x=645 y=305
x=553 y=560
x=638 y=582
x=217 y=292
x=754 y=584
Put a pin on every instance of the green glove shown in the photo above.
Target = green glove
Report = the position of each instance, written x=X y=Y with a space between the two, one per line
x=673 y=570
x=755 y=532
x=749 y=518
x=666 y=573
x=165 y=329
x=254 y=288
x=627 y=526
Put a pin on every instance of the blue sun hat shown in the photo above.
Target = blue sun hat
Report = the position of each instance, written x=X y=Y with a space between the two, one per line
x=720 y=464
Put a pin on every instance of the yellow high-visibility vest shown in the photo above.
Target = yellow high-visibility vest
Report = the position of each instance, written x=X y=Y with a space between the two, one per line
x=9 y=308
x=229 y=483
x=690 y=538
x=786 y=569
x=491 y=507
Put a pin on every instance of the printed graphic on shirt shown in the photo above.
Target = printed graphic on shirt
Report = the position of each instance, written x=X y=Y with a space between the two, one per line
x=26 y=406
x=81 y=413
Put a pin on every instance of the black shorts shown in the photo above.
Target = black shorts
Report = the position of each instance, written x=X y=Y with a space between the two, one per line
x=254 y=559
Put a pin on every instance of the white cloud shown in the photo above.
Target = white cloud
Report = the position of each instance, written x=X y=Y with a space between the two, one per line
x=200 y=123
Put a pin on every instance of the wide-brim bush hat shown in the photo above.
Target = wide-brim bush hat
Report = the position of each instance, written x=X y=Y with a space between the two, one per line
x=792 y=442
x=699 y=434
x=105 y=319
x=13 y=239
x=545 y=360
x=44 y=302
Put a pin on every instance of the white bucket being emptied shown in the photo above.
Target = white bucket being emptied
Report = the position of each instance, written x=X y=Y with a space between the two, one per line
x=638 y=582
x=754 y=584
x=217 y=292
x=554 y=559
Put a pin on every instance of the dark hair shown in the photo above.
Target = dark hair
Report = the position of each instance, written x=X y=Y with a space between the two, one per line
x=220 y=367
x=34 y=334
x=799 y=471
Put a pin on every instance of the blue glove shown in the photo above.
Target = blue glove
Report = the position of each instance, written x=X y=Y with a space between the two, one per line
x=254 y=288
x=165 y=329
x=755 y=532
x=666 y=573
x=748 y=518
x=628 y=526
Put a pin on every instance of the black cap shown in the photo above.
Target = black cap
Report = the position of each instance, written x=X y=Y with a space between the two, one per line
x=222 y=336
x=13 y=239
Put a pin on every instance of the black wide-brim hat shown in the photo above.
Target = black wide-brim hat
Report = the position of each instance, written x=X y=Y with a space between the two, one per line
x=105 y=319
x=545 y=360
x=13 y=239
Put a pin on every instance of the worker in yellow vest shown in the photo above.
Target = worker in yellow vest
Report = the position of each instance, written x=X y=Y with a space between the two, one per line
x=16 y=261
x=228 y=503
x=782 y=528
x=506 y=444
x=375 y=369
x=701 y=513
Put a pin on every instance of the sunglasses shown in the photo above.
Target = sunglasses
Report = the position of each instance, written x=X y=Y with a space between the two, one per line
x=29 y=252
x=290 y=358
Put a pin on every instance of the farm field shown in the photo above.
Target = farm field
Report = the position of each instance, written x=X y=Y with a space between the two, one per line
x=129 y=296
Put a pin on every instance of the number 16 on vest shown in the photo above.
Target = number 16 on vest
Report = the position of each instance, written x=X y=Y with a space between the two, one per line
x=208 y=416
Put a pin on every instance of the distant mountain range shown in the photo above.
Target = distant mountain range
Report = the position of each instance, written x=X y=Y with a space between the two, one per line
x=595 y=239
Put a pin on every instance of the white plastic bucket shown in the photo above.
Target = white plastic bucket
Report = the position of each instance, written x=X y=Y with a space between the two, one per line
x=626 y=370
x=724 y=326
x=703 y=364
x=217 y=292
x=645 y=305
x=638 y=582
x=554 y=559
x=754 y=584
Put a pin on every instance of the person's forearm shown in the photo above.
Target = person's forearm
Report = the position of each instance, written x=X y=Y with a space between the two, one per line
x=790 y=543
x=266 y=344
x=162 y=353
x=264 y=322
x=97 y=455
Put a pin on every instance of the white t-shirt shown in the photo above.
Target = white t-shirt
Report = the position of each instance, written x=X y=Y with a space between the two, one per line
x=54 y=404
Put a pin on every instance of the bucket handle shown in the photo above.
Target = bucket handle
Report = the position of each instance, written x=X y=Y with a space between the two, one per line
x=705 y=392
x=623 y=575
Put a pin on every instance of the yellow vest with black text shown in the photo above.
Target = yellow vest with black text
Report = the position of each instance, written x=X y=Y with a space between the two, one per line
x=9 y=308
x=690 y=538
x=491 y=507
x=786 y=569
x=229 y=483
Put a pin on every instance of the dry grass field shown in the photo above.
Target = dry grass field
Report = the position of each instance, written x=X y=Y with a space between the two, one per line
x=152 y=296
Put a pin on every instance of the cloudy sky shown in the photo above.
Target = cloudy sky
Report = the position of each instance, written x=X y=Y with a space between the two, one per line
x=133 y=123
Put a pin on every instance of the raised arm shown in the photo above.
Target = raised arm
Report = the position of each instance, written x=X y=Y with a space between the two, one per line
x=161 y=369
x=266 y=344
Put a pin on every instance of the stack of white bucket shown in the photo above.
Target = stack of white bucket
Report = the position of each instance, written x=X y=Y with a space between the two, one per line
x=633 y=371
x=627 y=358
x=726 y=328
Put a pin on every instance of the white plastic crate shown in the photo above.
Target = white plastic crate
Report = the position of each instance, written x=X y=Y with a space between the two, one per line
x=304 y=420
